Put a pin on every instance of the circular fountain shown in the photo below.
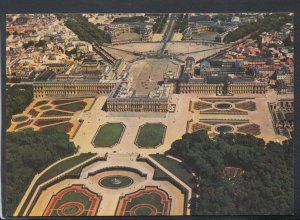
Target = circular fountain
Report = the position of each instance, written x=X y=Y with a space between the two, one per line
x=115 y=181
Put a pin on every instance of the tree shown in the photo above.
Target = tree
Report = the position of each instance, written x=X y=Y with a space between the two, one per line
x=28 y=153
x=266 y=187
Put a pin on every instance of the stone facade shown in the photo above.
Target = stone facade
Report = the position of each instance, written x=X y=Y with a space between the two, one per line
x=69 y=88
x=138 y=105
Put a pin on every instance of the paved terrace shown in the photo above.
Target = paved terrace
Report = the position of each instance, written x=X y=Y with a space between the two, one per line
x=110 y=197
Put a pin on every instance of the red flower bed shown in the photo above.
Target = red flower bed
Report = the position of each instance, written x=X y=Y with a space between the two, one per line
x=61 y=200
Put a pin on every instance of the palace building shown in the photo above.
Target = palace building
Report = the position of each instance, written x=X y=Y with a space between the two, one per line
x=56 y=88
x=218 y=80
x=123 y=98
x=152 y=88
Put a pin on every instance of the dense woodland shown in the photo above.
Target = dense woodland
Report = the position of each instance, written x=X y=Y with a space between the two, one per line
x=131 y=19
x=182 y=22
x=159 y=23
x=28 y=153
x=18 y=98
x=85 y=30
x=271 y=22
x=266 y=187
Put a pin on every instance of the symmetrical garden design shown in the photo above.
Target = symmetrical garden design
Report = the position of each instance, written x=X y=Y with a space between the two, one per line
x=73 y=201
x=108 y=135
x=228 y=107
x=150 y=201
x=52 y=113
x=150 y=135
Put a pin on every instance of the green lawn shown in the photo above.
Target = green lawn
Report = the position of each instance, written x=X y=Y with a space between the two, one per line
x=64 y=101
x=150 y=135
x=50 y=121
x=73 y=107
x=33 y=113
x=54 y=113
x=108 y=135
x=60 y=127
x=41 y=103
x=20 y=118
x=45 y=107
x=176 y=168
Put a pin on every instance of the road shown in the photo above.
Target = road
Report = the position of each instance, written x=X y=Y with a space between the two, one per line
x=168 y=31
